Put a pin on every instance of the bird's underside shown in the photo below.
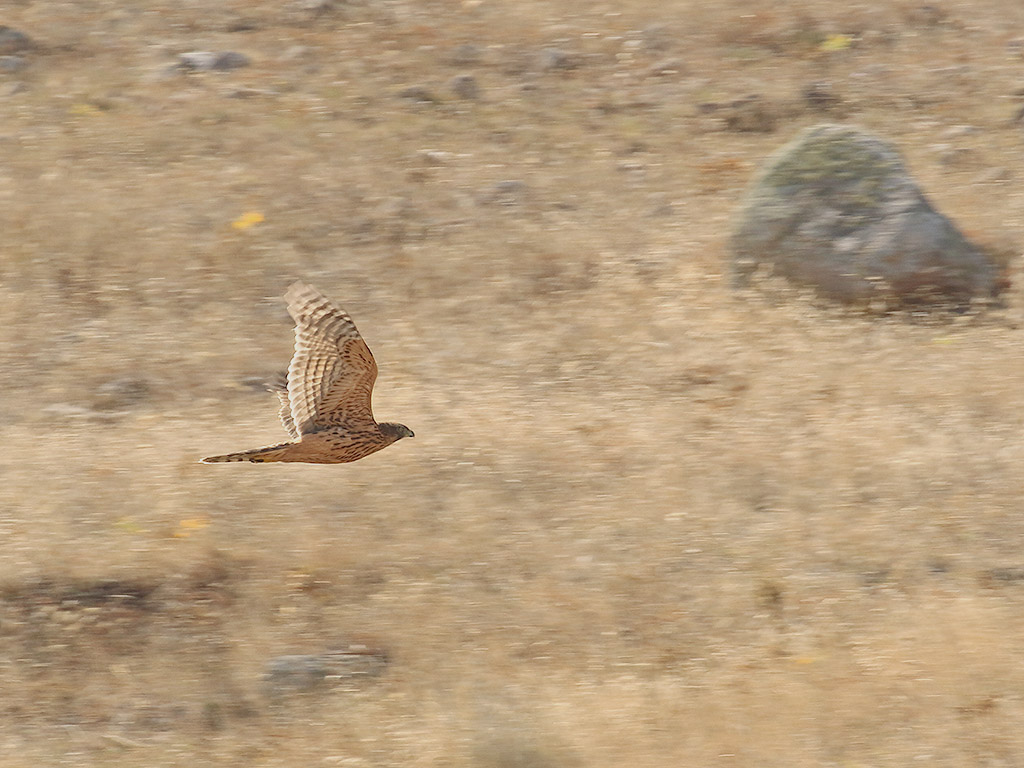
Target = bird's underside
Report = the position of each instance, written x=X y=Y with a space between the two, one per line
x=325 y=401
x=333 y=445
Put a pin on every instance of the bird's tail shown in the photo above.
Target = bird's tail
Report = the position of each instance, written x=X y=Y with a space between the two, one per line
x=257 y=455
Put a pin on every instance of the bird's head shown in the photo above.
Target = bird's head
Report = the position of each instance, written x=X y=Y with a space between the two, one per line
x=397 y=431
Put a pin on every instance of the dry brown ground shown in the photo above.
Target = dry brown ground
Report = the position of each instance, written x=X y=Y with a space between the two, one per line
x=645 y=521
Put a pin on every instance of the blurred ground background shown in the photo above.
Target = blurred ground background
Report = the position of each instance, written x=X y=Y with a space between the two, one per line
x=645 y=520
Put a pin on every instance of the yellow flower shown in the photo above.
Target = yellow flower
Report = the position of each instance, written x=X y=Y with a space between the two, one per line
x=836 y=43
x=190 y=524
x=128 y=525
x=84 y=110
x=247 y=219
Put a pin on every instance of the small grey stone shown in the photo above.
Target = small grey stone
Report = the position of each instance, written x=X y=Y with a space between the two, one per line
x=435 y=157
x=12 y=63
x=197 y=60
x=957 y=131
x=306 y=672
x=465 y=87
x=464 y=55
x=836 y=210
x=820 y=96
x=1011 y=574
x=556 y=58
x=926 y=15
x=121 y=392
x=296 y=673
x=231 y=60
x=749 y=114
x=417 y=93
x=354 y=661
x=213 y=60
x=666 y=68
x=242 y=24
x=997 y=175
x=508 y=192
x=317 y=7
x=956 y=156
x=250 y=93
x=656 y=37
x=12 y=41
x=71 y=412
x=296 y=53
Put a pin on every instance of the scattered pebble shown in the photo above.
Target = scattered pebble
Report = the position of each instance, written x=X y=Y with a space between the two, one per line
x=242 y=24
x=301 y=672
x=997 y=175
x=508 y=192
x=465 y=55
x=435 y=156
x=213 y=60
x=656 y=37
x=465 y=87
x=70 y=411
x=250 y=93
x=749 y=114
x=294 y=673
x=317 y=7
x=12 y=63
x=417 y=93
x=296 y=52
x=820 y=96
x=666 y=68
x=956 y=131
x=925 y=15
x=121 y=392
x=557 y=59
x=12 y=41
x=956 y=156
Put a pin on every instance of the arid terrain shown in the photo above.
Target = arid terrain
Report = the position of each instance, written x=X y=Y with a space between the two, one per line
x=646 y=520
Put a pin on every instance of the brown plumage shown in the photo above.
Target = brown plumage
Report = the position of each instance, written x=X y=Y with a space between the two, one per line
x=325 y=403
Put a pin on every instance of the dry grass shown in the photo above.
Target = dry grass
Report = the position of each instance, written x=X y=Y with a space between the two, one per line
x=645 y=520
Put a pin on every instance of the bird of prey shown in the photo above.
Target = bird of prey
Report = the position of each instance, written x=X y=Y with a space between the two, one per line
x=325 y=403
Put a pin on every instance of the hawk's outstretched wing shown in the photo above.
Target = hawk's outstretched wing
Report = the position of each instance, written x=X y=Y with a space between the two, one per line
x=331 y=376
x=279 y=386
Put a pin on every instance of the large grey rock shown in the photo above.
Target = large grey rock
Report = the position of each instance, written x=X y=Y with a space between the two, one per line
x=837 y=211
